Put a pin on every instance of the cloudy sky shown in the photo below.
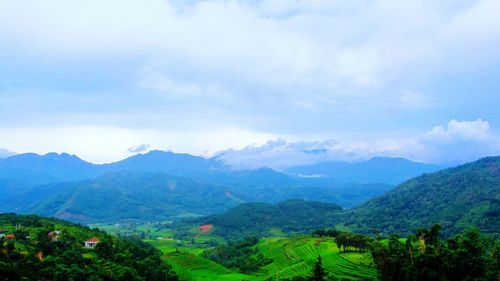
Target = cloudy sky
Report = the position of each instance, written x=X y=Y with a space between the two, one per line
x=275 y=80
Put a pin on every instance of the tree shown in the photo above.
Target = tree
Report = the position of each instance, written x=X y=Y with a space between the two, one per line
x=319 y=273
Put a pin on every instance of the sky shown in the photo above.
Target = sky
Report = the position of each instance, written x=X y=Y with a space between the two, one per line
x=270 y=82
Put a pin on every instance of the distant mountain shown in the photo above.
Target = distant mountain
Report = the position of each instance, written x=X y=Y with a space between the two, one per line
x=125 y=196
x=263 y=219
x=4 y=153
x=52 y=167
x=138 y=196
x=165 y=162
x=375 y=170
x=456 y=198
x=49 y=168
x=267 y=185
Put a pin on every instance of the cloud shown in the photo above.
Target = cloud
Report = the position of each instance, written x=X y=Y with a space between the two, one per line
x=107 y=144
x=275 y=68
x=412 y=99
x=280 y=154
x=139 y=148
x=458 y=142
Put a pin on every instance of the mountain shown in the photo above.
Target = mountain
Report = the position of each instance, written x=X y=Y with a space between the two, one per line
x=160 y=161
x=267 y=185
x=4 y=153
x=375 y=170
x=138 y=196
x=263 y=219
x=49 y=168
x=52 y=167
x=126 y=196
x=456 y=198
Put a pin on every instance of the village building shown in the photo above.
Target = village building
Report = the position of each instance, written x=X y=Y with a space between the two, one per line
x=10 y=236
x=92 y=242
x=54 y=235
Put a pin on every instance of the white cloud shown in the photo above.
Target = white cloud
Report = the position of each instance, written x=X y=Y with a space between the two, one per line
x=459 y=142
x=412 y=99
x=269 y=43
x=107 y=144
x=139 y=148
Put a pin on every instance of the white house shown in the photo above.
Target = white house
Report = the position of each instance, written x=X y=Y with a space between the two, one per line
x=92 y=242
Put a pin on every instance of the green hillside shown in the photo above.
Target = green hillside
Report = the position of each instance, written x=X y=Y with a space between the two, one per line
x=261 y=219
x=291 y=257
x=36 y=248
x=127 y=196
x=456 y=198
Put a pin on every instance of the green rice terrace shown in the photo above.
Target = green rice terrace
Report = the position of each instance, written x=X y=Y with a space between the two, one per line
x=291 y=256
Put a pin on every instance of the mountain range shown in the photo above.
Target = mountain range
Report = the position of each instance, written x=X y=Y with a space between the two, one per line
x=456 y=198
x=162 y=185
x=52 y=167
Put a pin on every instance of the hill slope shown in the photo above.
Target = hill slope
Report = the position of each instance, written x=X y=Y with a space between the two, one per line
x=456 y=198
x=126 y=196
x=36 y=248
x=261 y=219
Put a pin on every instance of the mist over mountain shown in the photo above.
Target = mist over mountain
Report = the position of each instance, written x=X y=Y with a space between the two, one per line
x=382 y=170
x=52 y=167
x=4 y=153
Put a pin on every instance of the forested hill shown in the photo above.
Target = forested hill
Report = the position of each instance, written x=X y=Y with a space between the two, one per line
x=261 y=219
x=456 y=198
x=36 y=248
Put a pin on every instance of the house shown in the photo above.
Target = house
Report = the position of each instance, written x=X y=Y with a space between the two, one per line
x=92 y=242
x=54 y=235
x=10 y=236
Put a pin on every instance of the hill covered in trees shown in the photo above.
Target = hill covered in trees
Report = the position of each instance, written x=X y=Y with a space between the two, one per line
x=262 y=219
x=36 y=248
x=456 y=198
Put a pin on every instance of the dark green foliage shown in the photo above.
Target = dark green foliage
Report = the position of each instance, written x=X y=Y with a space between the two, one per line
x=352 y=241
x=319 y=273
x=258 y=219
x=240 y=255
x=424 y=256
x=456 y=198
x=33 y=255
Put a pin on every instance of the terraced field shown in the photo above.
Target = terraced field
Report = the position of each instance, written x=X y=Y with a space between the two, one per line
x=292 y=256
x=191 y=267
x=296 y=257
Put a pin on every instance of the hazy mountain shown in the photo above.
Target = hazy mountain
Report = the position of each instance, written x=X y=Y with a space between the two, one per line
x=4 y=153
x=126 y=196
x=52 y=167
x=49 y=168
x=456 y=198
x=162 y=161
x=381 y=170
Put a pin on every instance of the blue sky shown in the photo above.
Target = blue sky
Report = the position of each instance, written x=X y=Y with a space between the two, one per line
x=106 y=79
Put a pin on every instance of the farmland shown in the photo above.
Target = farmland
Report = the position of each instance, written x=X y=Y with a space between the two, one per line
x=292 y=256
